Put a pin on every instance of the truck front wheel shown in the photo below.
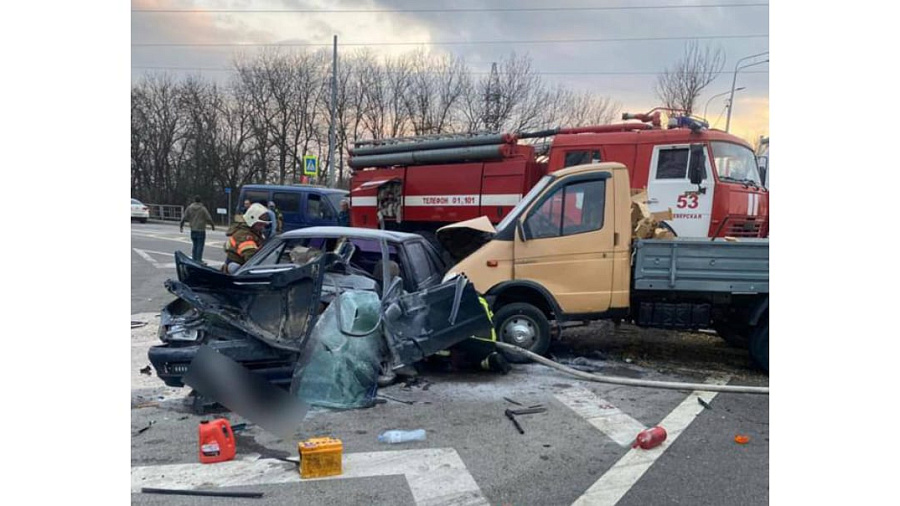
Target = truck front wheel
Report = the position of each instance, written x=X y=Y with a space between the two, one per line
x=522 y=325
x=759 y=345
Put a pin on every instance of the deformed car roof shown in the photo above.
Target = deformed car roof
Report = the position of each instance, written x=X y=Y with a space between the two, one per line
x=355 y=232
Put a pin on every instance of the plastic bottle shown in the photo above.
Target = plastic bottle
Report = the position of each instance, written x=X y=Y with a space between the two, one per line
x=401 y=436
x=650 y=438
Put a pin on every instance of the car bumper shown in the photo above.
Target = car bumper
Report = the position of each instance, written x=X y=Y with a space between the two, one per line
x=142 y=216
x=171 y=363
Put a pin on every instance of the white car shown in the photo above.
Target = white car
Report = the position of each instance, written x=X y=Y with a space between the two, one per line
x=139 y=211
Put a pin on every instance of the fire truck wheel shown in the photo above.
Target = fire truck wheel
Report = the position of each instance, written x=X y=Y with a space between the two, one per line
x=523 y=325
x=759 y=345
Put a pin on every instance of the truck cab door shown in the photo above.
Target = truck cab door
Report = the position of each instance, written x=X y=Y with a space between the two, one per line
x=568 y=243
x=669 y=187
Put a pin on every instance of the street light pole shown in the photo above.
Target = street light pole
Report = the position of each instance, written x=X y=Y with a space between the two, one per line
x=734 y=81
x=719 y=95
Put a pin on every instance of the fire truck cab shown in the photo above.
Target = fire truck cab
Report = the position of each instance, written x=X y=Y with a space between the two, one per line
x=730 y=199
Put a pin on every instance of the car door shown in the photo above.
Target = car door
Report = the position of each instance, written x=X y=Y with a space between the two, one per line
x=567 y=246
x=421 y=265
x=669 y=188
x=317 y=210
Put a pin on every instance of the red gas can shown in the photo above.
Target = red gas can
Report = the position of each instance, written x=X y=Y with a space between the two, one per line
x=650 y=438
x=216 y=441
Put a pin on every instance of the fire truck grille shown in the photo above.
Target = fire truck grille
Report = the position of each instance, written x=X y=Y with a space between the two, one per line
x=744 y=228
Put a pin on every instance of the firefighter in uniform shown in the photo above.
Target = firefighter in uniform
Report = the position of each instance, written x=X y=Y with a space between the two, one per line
x=244 y=237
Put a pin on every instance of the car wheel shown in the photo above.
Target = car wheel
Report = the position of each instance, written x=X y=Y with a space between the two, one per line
x=522 y=325
x=759 y=346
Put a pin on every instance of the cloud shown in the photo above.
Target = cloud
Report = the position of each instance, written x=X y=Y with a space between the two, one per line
x=635 y=92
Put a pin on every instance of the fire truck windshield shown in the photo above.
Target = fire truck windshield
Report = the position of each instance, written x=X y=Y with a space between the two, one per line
x=735 y=163
x=514 y=213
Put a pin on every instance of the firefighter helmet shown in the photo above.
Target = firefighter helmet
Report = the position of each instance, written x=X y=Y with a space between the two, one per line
x=257 y=213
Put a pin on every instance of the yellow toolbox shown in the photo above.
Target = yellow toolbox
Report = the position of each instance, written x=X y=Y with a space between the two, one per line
x=320 y=456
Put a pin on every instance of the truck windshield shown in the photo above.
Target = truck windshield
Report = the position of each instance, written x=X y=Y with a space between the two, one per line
x=524 y=202
x=735 y=163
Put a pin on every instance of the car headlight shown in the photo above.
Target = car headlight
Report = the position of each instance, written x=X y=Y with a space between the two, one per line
x=182 y=333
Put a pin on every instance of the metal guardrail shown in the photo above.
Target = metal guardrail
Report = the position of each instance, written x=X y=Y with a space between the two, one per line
x=165 y=212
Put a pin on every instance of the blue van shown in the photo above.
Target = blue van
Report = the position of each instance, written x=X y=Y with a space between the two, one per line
x=302 y=205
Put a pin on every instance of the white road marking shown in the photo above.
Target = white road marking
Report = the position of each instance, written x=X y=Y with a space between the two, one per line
x=168 y=265
x=607 y=418
x=619 y=479
x=142 y=338
x=436 y=476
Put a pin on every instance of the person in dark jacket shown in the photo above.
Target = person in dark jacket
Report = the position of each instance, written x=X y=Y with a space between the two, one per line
x=198 y=217
x=344 y=215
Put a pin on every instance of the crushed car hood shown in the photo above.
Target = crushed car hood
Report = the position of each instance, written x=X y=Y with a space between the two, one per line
x=278 y=308
x=464 y=238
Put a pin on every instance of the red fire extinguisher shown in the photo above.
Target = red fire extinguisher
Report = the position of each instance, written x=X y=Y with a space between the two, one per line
x=650 y=438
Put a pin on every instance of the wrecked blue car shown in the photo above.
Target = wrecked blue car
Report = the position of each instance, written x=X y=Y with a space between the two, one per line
x=263 y=316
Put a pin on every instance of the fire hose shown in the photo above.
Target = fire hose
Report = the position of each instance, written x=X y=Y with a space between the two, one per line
x=617 y=380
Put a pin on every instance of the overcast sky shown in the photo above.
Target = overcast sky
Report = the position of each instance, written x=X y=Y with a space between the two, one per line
x=623 y=70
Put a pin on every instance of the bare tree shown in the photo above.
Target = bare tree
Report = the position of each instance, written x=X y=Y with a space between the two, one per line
x=679 y=86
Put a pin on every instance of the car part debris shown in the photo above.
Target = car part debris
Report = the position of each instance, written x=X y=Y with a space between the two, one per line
x=137 y=324
x=220 y=378
x=142 y=430
x=401 y=436
x=616 y=380
x=342 y=369
x=650 y=438
x=204 y=493
x=528 y=411
x=509 y=414
x=147 y=370
x=704 y=403
x=320 y=457
x=741 y=439
x=507 y=399
x=395 y=399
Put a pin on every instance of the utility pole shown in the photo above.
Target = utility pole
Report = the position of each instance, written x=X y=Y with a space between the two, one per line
x=492 y=101
x=737 y=68
x=331 y=130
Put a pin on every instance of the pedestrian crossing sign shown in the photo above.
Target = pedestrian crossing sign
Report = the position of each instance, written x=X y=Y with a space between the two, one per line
x=310 y=165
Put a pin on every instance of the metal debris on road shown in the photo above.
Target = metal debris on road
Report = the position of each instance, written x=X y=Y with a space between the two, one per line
x=395 y=399
x=147 y=370
x=512 y=417
x=141 y=431
x=205 y=493
x=137 y=324
x=704 y=403
x=507 y=399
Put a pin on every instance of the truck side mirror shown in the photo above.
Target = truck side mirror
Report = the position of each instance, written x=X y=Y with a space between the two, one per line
x=697 y=165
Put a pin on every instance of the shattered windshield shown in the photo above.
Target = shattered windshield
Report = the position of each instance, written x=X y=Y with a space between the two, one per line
x=735 y=163
x=539 y=187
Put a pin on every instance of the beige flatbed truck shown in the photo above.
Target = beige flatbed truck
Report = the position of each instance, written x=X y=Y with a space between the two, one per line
x=565 y=254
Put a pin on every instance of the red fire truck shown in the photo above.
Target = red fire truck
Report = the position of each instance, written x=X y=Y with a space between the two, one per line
x=418 y=184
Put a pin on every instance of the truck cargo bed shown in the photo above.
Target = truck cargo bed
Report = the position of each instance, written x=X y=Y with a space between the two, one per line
x=702 y=265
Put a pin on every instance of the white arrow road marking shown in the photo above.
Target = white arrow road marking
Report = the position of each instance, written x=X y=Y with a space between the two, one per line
x=619 y=479
x=436 y=476
x=168 y=265
x=607 y=418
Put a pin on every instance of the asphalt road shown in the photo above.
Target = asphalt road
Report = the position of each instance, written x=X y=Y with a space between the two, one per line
x=576 y=452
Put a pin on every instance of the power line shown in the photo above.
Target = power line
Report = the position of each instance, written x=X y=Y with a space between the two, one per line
x=458 y=42
x=474 y=9
x=546 y=73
